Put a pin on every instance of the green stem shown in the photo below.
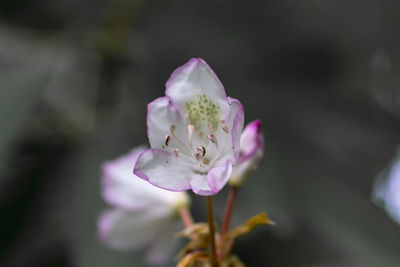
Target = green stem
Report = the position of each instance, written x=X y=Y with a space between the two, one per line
x=210 y=217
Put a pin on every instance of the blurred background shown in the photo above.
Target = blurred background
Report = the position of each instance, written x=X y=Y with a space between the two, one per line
x=323 y=76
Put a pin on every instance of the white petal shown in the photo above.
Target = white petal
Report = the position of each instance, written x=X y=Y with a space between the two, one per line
x=193 y=79
x=219 y=176
x=167 y=171
x=164 y=170
x=131 y=230
x=229 y=141
x=161 y=115
x=214 y=182
x=200 y=185
x=251 y=153
x=165 y=246
x=125 y=190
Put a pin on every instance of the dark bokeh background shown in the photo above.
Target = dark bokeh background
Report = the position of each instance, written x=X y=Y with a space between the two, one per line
x=324 y=77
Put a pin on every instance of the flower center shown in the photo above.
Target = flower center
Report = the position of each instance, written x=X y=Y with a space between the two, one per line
x=202 y=110
x=200 y=150
x=198 y=144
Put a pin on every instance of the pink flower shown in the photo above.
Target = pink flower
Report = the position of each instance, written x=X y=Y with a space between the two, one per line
x=142 y=215
x=251 y=153
x=193 y=132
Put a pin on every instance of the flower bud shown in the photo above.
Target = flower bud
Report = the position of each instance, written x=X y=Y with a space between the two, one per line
x=250 y=155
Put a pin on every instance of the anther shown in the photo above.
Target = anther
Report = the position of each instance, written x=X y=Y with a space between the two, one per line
x=167 y=139
x=176 y=151
x=211 y=128
x=212 y=138
x=200 y=152
x=225 y=128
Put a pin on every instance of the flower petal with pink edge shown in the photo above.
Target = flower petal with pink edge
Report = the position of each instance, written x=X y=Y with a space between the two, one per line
x=192 y=79
x=251 y=140
x=251 y=154
x=161 y=115
x=237 y=111
x=200 y=185
x=125 y=190
x=229 y=141
x=219 y=176
x=164 y=169
x=167 y=171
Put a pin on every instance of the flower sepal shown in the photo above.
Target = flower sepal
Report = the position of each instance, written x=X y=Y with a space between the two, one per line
x=196 y=250
x=198 y=235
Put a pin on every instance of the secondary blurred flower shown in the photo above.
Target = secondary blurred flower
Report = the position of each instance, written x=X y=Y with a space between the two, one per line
x=387 y=189
x=143 y=215
x=251 y=153
x=193 y=132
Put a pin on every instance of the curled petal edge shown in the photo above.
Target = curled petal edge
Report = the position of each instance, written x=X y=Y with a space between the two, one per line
x=237 y=127
x=216 y=184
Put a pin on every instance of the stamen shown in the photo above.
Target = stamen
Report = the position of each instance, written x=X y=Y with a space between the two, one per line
x=167 y=139
x=212 y=138
x=173 y=127
x=176 y=151
x=200 y=152
x=225 y=128
x=190 y=128
x=211 y=128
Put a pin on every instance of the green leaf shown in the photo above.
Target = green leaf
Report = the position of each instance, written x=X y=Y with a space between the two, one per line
x=247 y=227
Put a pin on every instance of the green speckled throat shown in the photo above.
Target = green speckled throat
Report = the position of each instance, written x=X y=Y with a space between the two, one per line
x=203 y=111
